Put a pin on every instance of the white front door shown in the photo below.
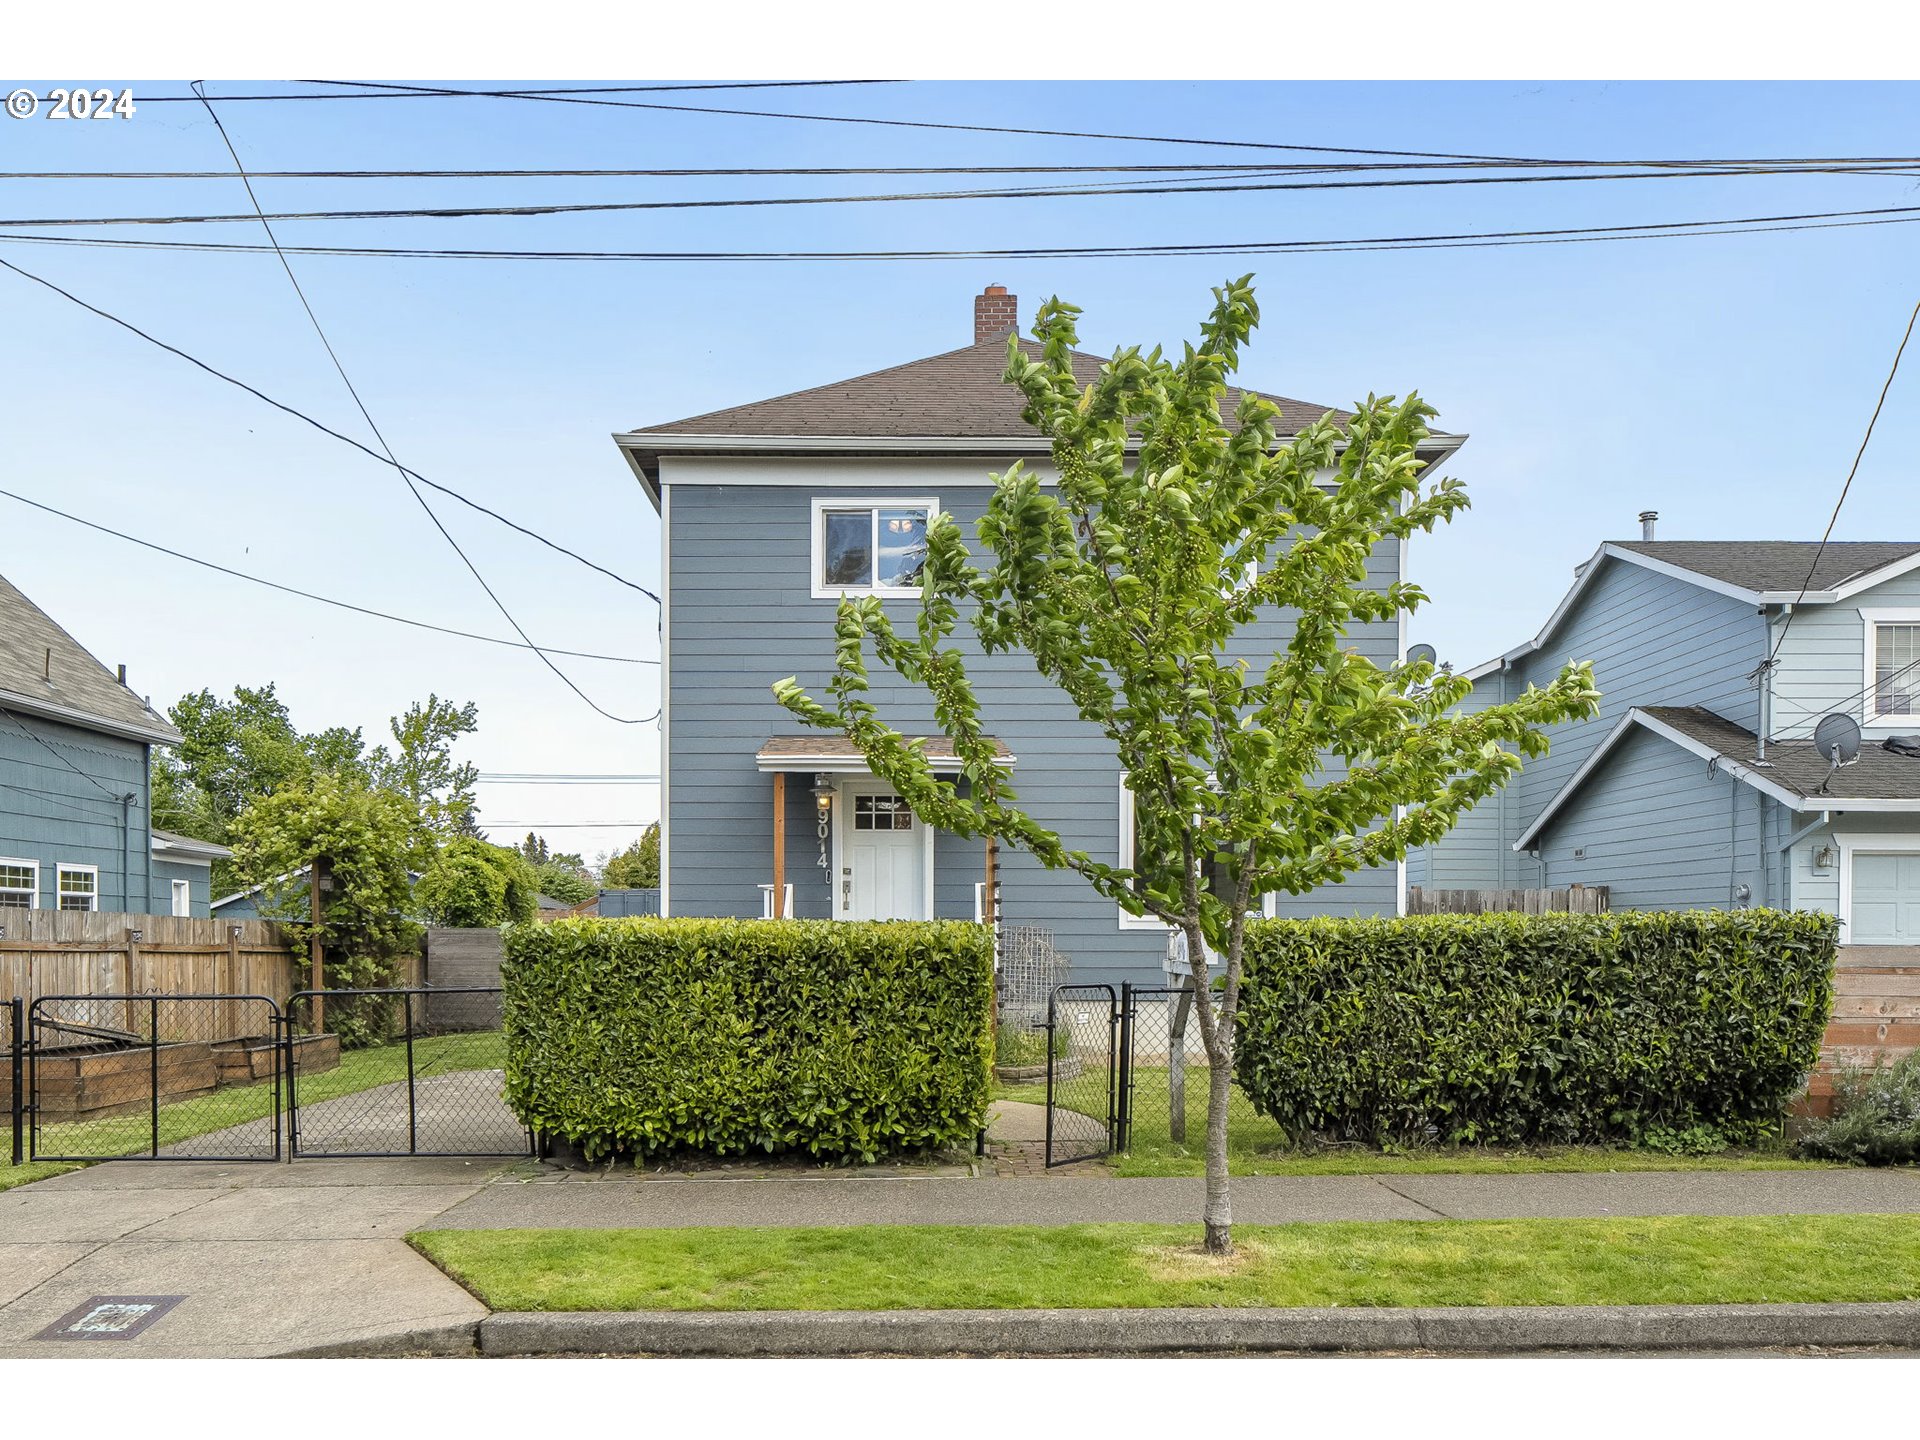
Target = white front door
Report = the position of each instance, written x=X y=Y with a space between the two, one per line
x=883 y=855
x=1886 y=899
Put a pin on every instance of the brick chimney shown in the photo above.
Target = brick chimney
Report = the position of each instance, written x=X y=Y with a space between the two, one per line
x=995 y=312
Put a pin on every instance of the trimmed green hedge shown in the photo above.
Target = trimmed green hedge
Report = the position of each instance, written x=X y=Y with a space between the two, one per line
x=1515 y=1029
x=841 y=1040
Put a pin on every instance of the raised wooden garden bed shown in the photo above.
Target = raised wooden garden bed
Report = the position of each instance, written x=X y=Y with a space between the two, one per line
x=94 y=1084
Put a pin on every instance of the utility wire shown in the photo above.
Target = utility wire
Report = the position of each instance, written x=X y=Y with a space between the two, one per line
x=468 y=212
x=403 y=92
x=1845 y=488
x=310 y=595
x=48 y=747
x=324 y=428
x=1468 y=240
x=366 y=415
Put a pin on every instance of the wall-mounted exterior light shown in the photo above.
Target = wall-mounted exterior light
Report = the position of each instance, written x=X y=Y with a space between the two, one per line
x=1823 y=858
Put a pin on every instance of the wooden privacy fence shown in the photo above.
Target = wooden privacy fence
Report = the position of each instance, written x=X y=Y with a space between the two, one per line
x=1575 y=899
x=100 y=952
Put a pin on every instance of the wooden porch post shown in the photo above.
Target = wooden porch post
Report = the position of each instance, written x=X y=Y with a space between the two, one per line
x=989 y=898
x=779 y=844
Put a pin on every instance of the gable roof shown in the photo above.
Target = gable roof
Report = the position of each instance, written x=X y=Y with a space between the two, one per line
x=46 y=672
x=1758 y=572
x=956 y=401
x=1794 y=772
x=1764 y=566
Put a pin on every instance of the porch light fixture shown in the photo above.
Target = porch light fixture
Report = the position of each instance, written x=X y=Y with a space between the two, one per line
x=823 y=816
x=1823 y=858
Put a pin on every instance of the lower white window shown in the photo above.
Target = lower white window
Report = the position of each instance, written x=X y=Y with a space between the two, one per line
x=79 y=887
x=182 y=898
x=19 y=884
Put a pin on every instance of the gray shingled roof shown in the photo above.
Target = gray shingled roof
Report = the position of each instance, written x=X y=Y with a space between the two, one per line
x=958 y=395
x=1774 y=564
x=45 y=670
x=1794 y=765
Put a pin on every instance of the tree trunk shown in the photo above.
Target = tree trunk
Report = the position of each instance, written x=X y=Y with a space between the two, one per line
x=1218 y=1213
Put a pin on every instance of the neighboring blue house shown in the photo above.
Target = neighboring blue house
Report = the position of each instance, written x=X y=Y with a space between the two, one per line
x=75 y=742
x=1669 y=797
x=770 y=512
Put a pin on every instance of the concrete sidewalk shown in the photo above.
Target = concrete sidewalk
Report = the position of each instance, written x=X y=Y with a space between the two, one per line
x=310 y=1256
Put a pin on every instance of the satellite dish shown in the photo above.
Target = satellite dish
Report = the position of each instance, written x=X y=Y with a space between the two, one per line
x=1837 y=738
x=1422 y=655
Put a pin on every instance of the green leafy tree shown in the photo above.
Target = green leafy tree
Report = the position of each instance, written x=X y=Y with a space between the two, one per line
x=422 y=768
x=365 y=836
x=473 y=883
x=567 y=883
x=1252 y=773
x=638 y=866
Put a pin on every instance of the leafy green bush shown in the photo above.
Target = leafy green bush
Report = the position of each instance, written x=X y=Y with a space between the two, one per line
x=1517 y=1029
x=475 y=884
x=1876 y=1117
x=728 y=1036
x=1014 y=1045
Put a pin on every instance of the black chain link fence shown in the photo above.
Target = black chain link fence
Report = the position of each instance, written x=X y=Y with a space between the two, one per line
x=1167 y=1078
x=161 y=1077
x=13 y=1075
x=432 y=1086
x=1082 y=1032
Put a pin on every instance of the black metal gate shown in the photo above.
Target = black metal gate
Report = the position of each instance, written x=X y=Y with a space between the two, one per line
x=432 y=1087
x=152 y=1077
x=1083 y=1039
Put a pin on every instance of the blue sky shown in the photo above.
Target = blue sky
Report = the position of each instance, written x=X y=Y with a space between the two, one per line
x=1723 y=381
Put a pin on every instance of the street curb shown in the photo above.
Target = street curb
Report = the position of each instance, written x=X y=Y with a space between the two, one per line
x=1476 y=1330
x=434 y=1340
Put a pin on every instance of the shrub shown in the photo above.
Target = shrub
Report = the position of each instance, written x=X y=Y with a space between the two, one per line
x=729 y=1036
x=474 y=884
x=1512 y=1029
x=1876 y=1117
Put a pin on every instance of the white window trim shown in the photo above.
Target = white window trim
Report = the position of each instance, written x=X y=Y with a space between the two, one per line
x=1269 y=902
x=817 y=561
x=1870 y=620
x=63 y=870
x=177 y=890
x=33 y=900
x=1864 y=843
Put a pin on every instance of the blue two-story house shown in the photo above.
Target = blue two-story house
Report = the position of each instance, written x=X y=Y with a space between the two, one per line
x=770 y=512
x=1699 y=785
x=75 y=745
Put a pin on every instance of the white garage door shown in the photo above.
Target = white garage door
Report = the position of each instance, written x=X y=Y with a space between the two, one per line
x=1886 y=900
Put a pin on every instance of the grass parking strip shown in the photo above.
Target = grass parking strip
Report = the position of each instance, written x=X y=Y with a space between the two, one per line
x=1640 y=1261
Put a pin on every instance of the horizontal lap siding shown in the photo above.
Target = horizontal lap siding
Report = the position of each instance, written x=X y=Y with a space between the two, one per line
x=1823 y=662
x=1658 y=832
x=1653 y=640
x=52 y=812
x=742 y=616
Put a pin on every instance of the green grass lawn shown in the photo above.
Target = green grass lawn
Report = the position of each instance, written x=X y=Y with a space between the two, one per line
x=358 y=1070
x=1257 y=1146
x=1669 y=1260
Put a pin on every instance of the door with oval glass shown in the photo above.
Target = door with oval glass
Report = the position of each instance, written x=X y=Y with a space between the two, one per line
x=884 y=854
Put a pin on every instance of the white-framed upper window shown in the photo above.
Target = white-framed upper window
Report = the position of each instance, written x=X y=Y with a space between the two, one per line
x=182 y=898
x=1893 y=665
x=79 y=887
x=870 y=546
x=19 y=884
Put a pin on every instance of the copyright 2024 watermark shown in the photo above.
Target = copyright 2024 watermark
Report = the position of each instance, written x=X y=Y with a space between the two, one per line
x=71 y=102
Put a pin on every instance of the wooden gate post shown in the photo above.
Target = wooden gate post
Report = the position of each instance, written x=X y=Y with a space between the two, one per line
x=315 y=951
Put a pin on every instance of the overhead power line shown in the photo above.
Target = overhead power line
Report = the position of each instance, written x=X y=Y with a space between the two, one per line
x=310 y=595
x=367 y=415
x=1660 y=230
x=325 y=429
x=1847 y=487
x=1240 y=186
x=401 y=92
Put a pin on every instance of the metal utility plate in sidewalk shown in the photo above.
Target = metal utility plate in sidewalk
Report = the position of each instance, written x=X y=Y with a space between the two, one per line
x=110 y=1317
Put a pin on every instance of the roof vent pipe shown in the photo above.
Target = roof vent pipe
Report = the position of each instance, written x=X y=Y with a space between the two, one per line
x=1647 y=517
